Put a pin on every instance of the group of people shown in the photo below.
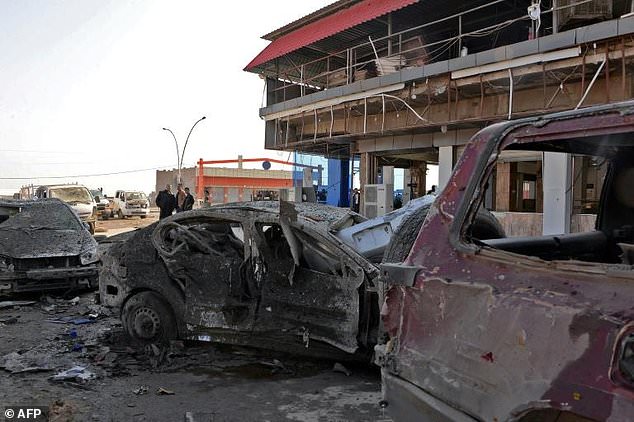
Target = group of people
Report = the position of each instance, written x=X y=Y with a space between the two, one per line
x=181 y=201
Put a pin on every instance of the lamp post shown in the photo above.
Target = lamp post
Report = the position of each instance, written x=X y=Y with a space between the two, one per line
x=181 y=155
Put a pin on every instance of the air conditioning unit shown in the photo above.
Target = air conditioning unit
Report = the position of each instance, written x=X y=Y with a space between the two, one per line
x=573 y=13
x=377 y=200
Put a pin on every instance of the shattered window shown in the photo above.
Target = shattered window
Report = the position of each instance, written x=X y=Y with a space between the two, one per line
x=560 y=200
x=71 y=194
x=209 y=237
x=314 y=255
x=135 y=195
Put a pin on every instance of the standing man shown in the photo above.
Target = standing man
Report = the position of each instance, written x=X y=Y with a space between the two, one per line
x=189 y=201
x=180 y=198
x=166 y=202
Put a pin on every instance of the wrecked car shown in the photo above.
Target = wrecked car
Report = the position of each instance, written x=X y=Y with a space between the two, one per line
x=526 y=328
x=265 y=274
x=44 y=246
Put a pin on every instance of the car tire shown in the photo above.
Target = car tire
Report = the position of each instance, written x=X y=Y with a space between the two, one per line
x=120 y=214
x=144 y=216
x=148 y=318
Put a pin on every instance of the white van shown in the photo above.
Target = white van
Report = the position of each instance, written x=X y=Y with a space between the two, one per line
x=77 y=196
x=128 y=203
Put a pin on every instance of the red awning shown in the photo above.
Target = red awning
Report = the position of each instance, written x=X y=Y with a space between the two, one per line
x=340 y=21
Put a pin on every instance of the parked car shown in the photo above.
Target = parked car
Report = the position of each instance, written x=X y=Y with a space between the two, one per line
x=129 y=204
x=103 y=204
x=77 y=196
x=535 y=328
x=44 y=246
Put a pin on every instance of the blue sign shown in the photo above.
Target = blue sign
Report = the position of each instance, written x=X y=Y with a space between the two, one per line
x=266 y=165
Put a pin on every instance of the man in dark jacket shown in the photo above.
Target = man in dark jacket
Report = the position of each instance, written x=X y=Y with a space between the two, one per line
x=166 y=202
x=189 y=201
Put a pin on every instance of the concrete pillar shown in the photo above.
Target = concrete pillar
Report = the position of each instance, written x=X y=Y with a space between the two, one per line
x=407 y=189
x=445 y=166
x=338 y=194
x=557 y=192
x=307 y=181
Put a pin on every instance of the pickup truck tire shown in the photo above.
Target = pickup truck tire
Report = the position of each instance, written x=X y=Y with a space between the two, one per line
x=485 y=226
x=148 y=318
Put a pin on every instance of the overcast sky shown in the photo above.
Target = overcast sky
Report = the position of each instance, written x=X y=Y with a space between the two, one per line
x=87 y=85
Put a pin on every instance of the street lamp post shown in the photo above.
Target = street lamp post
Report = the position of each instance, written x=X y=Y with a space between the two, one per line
x=181 y=155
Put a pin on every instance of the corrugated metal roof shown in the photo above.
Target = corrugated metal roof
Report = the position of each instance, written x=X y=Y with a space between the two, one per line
x=327 y=26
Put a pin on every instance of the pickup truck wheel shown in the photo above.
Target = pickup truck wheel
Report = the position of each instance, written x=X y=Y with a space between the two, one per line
x=148 y=318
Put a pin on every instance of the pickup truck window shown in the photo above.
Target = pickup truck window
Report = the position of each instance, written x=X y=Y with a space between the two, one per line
x=602 y=211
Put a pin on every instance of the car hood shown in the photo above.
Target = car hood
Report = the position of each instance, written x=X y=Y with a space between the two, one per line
x=38 y=242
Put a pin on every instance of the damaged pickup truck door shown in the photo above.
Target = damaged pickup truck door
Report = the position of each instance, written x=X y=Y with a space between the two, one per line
x=310 y=289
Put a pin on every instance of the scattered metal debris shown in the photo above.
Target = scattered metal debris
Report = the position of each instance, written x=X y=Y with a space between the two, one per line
x=341 y=369
x=77 y=373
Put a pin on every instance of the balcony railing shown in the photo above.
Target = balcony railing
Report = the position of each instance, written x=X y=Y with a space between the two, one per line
x=404 y=49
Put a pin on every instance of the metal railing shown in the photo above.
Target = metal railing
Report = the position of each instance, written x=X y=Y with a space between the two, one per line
x=391 y=53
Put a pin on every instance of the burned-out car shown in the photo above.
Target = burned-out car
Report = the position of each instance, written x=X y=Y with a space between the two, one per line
x=265 y=274
x=44 y=246
x=520 y=328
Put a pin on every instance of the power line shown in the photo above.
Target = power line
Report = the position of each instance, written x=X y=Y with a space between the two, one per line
x=85 y=175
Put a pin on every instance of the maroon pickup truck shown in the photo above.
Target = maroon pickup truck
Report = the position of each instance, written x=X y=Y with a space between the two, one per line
x=530 y=328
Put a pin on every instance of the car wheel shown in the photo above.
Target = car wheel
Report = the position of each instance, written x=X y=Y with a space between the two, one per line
x=144 y=216
x=148 y=318
x=120 y=214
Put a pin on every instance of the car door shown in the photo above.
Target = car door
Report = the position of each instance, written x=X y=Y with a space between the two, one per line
x=207 y=256
x=310 y=289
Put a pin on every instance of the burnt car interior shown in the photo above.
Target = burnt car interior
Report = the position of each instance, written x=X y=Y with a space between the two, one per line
x=612 y=240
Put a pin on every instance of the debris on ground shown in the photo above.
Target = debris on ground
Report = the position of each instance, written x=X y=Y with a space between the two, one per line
x=277 y=367
x=70 y=320
x=164 y=392
x=140 y=390
x=13 y=303
x=9 y=320
x=76 y=373
x=341 y=369
x=15 y=362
